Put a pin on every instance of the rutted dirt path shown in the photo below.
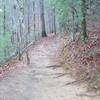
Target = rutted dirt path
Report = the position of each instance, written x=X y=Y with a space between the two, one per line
x=39 y=80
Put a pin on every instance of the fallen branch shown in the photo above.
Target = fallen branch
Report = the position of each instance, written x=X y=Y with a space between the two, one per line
x=61 y=75
x=76 y=81
x=54 y=66
x=70 y=83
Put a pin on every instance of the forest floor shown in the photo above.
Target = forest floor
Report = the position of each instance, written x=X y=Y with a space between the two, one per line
x=43 y=79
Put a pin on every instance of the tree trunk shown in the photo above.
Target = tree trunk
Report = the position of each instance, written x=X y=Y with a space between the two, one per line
x=4 y=20
x=54 y=21
x=19 y=34
x=84 y=25
x=73 y=32
x=42 y=18
x=49 y=18
x=28 y=7
x=34 y=19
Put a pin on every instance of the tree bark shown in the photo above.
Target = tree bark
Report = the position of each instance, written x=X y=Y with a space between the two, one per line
x=4 y=19
x=42 y=18
x=54 y=21
x=84 y=24
x=34 y=19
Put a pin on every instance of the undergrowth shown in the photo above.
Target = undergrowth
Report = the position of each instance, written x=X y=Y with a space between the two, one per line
x=83 y=60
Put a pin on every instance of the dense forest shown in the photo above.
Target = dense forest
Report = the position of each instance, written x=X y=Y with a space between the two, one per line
x=20 y=21
x=76 y=22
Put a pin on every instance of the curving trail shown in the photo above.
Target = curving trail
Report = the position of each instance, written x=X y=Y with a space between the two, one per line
x=40 y=80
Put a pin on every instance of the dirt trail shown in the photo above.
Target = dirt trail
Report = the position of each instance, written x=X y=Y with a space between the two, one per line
x=39 y=81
